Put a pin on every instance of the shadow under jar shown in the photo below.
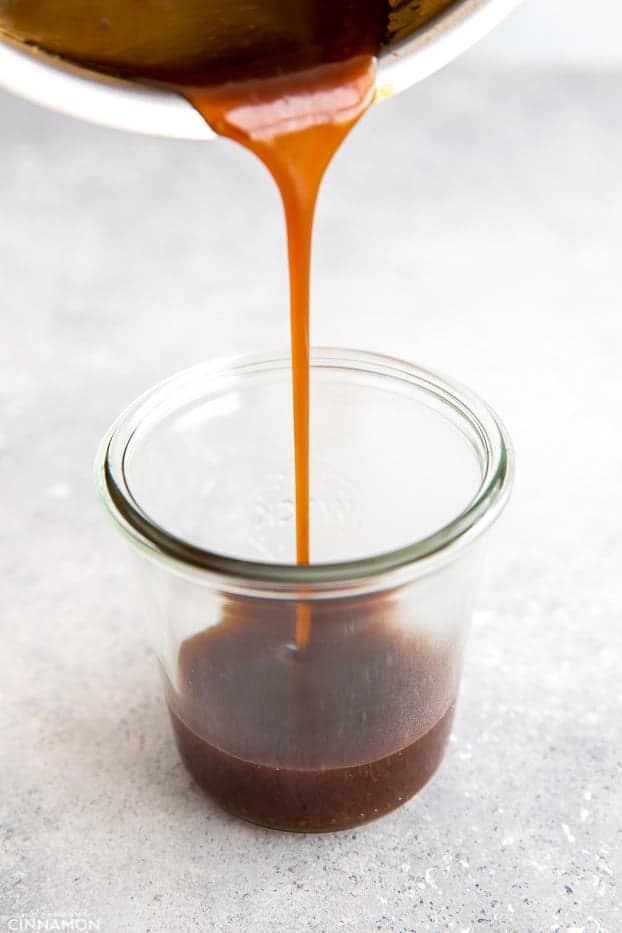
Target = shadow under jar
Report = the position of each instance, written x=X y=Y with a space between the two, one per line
x=337 y=728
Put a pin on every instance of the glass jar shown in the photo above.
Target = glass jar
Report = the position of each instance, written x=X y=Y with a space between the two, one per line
x=312 y=697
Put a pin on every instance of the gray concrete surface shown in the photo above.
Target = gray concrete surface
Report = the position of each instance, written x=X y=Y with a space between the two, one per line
x=472 y=225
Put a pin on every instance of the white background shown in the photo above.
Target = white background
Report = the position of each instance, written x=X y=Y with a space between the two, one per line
x=558 y=32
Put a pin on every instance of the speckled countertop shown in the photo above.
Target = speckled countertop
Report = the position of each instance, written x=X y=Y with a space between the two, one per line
x=472 y=225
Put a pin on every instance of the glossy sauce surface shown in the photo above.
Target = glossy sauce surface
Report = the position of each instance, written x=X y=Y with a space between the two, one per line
x=294 y=124
x=218 y=40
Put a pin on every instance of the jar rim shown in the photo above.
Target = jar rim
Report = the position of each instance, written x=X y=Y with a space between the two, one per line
x=380 y=570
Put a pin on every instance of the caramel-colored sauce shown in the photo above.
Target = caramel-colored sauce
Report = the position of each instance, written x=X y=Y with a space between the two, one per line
x=218 y=39
x=294 y=124
x=313 y=740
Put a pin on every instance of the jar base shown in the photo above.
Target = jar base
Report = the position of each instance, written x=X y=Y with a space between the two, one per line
x=312 y=801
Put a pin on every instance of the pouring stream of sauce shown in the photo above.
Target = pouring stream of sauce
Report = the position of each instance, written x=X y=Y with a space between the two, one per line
x=294 y=123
